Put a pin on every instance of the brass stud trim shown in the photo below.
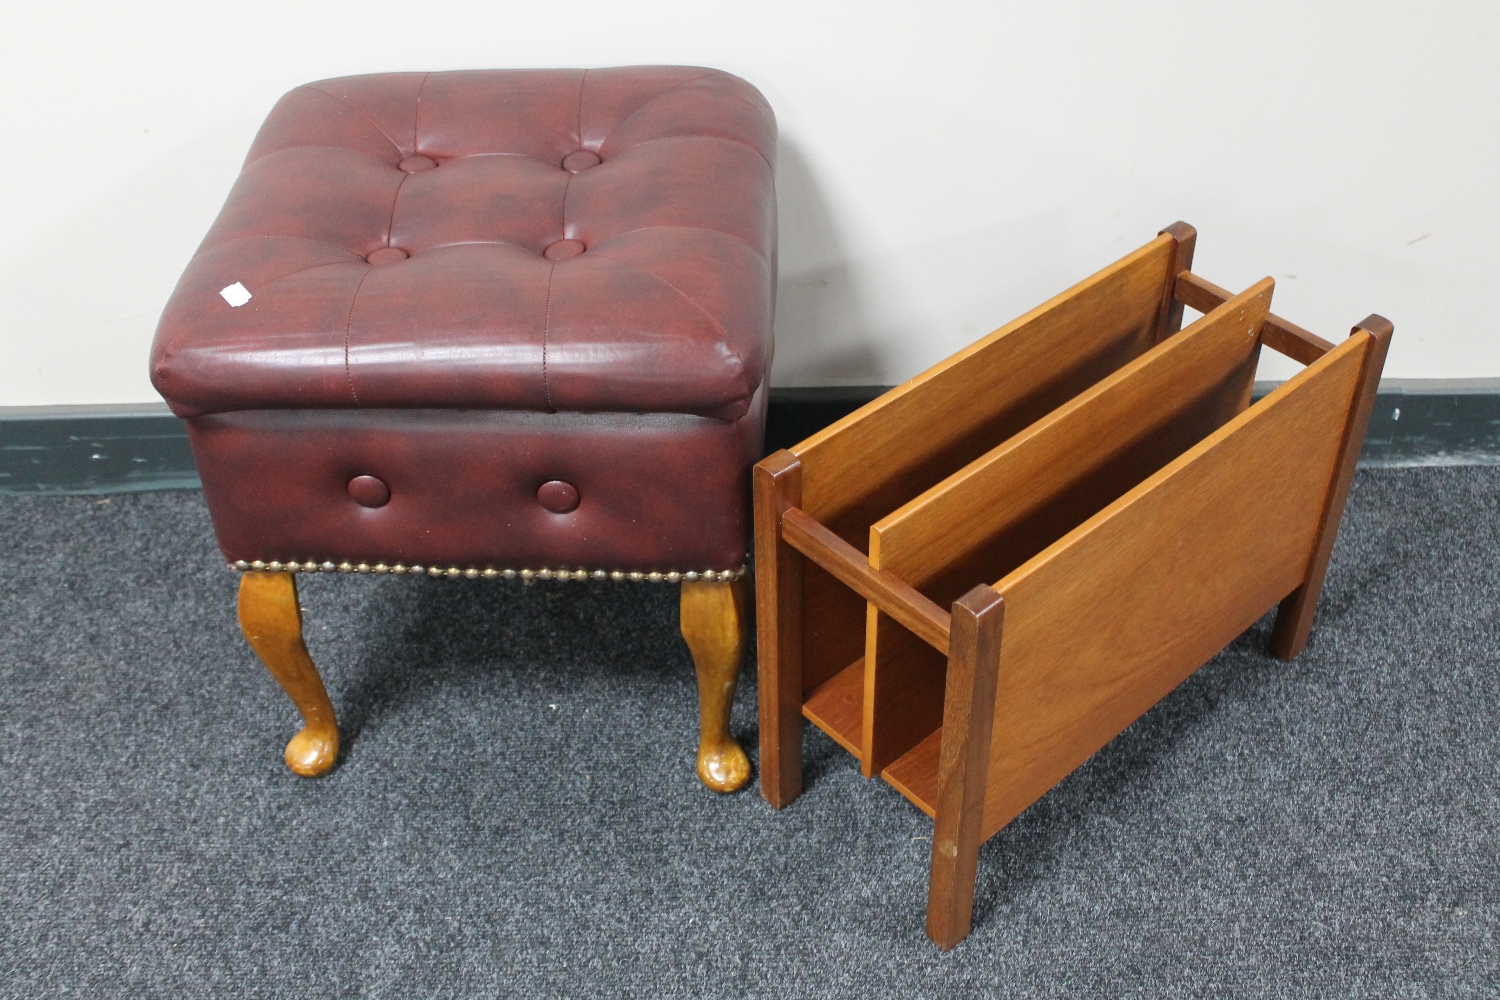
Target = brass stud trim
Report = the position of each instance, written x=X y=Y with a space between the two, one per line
x=490 y=572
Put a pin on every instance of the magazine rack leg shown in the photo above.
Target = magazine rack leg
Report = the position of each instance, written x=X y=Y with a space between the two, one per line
x=715 y=621
x=778 y=592
x=272 y=622
x=964 y=761
x=1294 y=618
x=1185 y=239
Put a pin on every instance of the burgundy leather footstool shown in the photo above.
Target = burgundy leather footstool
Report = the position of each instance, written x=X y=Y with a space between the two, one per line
x=493 y=324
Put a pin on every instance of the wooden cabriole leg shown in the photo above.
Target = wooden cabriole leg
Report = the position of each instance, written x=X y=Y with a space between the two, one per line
x=272 y=622
x=964 y=762
x=778 y=622
x=1294 y=618
x=715 y=621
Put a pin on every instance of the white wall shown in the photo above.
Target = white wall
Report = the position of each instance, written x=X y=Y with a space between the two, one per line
x=945 y=165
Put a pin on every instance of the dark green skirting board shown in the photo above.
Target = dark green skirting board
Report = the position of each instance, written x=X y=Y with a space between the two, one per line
x=127 y=448
x=93 y=449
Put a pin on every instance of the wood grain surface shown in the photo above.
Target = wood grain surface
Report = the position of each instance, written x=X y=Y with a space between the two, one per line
x=968 y=721
x=915 y=775
x=1294 y=619
x=1009 y=504
x=715 y=622
x=1169 y=319
x=271 y=619
x=1106 y=621
x=881 y=455
x=921 y=621
x=872 y=461
x=836 y=705
x=850 y=566
x=1279 y=335
x=778 y=597
x=903 y=691
x=1058 y=460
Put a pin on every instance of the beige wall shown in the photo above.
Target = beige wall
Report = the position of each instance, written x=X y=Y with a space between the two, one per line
x=945 y=165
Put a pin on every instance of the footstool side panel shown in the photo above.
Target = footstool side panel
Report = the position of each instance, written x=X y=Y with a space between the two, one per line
x=656 y=492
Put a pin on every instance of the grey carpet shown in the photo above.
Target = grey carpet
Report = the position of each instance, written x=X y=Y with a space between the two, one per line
x=516 y=814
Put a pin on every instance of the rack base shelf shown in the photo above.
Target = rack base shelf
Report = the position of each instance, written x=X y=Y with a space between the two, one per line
x=837 y=706
x=977 y=580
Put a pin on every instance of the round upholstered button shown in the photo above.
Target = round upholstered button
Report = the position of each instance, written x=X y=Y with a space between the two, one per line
x=558 y=497
x=368 y=491
x=417 y=164
x=387 y=255
x=580 y=160
x=563 y=250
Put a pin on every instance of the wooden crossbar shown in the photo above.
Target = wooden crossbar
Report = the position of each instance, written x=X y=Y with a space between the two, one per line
x=1278 y=334
x=849 y=566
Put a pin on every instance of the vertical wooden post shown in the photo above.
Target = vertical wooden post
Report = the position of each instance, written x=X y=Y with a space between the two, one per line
x=778 y=596
x=964 y=762
x=1169 y=316
x=1294 y=618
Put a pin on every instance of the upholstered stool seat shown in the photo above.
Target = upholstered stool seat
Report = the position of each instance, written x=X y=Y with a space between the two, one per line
x=488 y=324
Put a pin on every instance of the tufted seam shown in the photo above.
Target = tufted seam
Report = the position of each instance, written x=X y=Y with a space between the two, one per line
x=271 y=236
x=301 y=270
x=567 y=187
x=390 y=224
x=710 y=250
x=259 y=290
x=581 y=81
x=348 y=326
x=711 y=138
x=649 y=101
x=524 y=156
x=546 y=326
x=702 y=229
x=321 y=145
x=685 y=296
x=373 y=124
x=481 y=243
x=416 y=118
x=547 y=312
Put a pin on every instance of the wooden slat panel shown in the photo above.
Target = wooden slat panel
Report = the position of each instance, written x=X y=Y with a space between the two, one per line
x=903 y=690
x=883 y=454
x=874 y=460
x=1082 y=456
x=1108 y=620
x=1003 y=508
x=849 y=566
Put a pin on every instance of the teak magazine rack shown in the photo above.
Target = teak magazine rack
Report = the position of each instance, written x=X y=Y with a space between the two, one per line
x=1109 y=474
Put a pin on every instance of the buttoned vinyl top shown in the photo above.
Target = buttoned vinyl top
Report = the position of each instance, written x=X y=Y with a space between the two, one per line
x=599 y=240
